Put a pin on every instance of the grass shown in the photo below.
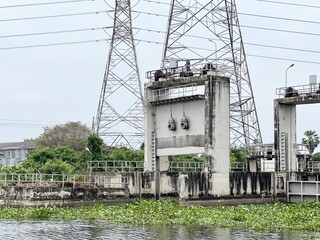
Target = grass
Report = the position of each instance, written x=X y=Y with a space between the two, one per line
x=278 y=216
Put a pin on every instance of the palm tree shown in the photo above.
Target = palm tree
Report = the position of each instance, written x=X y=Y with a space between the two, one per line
x=312 y=140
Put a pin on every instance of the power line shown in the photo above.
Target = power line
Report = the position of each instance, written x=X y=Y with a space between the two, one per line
x=53 y=16
x=246 y=26
x=292 y=4
x=279 y=18
x=156 y=2
x=282 y=59
x=53 y=44
x=283 y=48
x=53 y=32
x=245 y=14
x=148 y=41
x=246 y=43
x=280 y=30
x=38 y=4
x=148 y=13
x=268 y=1
x=31 y=123
x=251 y=55
x=28 y=121
x=256 y=15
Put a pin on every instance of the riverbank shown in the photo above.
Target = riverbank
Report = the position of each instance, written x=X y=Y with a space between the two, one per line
x=299 y=216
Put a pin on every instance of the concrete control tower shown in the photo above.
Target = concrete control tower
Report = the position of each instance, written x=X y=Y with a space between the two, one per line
x=187 y=112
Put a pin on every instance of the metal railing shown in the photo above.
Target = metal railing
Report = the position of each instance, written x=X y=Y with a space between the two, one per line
x=177 y=166
x=199 y=69
x=261 y=150
x=116 y=166
x=63 y=180
x=303 y=90
x=313 y=166
x=175 y=92
x=266 y=165
x=238 y=166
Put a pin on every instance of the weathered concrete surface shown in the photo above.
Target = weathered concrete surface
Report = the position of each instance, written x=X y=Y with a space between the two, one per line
x=217 y=135
x=285 y=122
x=186 y=186
x=57 y=196
x=208 y=130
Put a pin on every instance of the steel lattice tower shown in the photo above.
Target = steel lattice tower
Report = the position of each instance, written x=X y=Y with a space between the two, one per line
x=204 y=32
x=119 y=118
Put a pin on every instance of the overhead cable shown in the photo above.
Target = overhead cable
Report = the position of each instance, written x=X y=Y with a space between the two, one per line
x=47 y=3
x=278 y=18
x=287 y=3
x=52 y=16
x=280 y=30
x=157 y=2
x=246 y=43
x=244 y=14
x=53 y=32
x=251 y=55
x=53 y=44
x=251 y=27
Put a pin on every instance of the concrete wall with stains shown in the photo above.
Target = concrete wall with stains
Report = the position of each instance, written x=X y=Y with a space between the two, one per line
x=186 y=186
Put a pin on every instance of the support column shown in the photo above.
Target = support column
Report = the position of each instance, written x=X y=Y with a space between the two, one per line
x=217 y=135
x=285 y=137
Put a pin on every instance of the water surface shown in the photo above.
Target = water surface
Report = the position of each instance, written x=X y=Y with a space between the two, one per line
x=60 y=230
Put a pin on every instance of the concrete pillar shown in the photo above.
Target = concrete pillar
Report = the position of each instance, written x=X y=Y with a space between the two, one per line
x=252 y=164
x=217 y=135
x=285 y=137
x=149 y=131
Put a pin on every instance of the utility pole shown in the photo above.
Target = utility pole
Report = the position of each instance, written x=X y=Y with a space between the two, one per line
x=119 y=118
x=208 y=32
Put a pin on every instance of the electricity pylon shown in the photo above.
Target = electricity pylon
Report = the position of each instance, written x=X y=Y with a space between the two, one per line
x=208 y=31
x=119 y=118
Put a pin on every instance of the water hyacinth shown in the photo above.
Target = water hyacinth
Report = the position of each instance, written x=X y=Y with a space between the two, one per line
x=278 y=216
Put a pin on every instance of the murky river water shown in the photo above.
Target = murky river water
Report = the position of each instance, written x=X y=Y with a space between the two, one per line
x=31 y=230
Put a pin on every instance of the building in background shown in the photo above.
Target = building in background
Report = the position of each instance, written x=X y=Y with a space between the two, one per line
x=13 y=153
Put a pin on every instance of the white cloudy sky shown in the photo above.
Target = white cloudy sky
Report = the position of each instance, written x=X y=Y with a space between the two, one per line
x=49 y=85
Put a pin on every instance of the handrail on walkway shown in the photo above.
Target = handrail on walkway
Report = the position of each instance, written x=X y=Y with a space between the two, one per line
x=117 y=165
x=63 y=180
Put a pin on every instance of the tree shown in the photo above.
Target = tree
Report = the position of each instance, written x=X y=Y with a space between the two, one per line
x=96 y=146
x=316 y=157
x=71 y=134
x=60 y=159
x=312 y=140
x=56 y=166
x=238 y=154
x=187 y=158
x=123 y=153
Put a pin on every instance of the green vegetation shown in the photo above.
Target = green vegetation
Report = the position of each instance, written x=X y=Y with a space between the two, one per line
x=316 y=157
x=300 y=216
x=63 y=149
x=311 y=140
x=238 y=154
x=71 y=134
x=123 y=153
x=187 y=158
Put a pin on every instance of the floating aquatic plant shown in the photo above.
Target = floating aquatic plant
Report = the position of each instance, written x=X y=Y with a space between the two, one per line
x=298 y=216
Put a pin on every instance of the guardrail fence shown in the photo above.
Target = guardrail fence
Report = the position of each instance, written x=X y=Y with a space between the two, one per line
x=179 y=166
x=116 y=166
x=63 y=180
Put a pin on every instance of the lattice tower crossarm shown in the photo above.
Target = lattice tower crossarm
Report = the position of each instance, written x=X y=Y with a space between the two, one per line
x=219 y=43
x=119 y=118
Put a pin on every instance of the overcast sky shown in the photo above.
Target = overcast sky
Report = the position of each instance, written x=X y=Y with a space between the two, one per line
x=49 y=85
